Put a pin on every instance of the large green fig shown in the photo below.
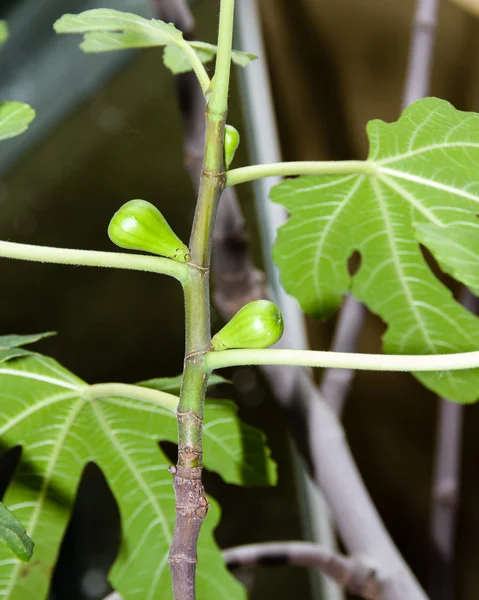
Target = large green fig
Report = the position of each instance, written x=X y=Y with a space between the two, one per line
x=138 y=225
x=258 y=324
x=232 y=140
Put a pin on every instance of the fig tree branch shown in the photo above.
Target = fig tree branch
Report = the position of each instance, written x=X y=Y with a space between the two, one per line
x=354 y=574
x=191 y=502
x=445 y=488
x=336 y=383
x=421 y=50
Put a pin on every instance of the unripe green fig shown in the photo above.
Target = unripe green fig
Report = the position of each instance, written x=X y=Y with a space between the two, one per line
x=232 y=140
x=258 y=324
x=139 y=225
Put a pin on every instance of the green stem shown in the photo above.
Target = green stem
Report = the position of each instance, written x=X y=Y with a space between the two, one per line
x=135 y=392
x=92 y=258
x=218 y=103
x=197 y=65
x=343 y=360
x=310 y=167
x=191 y=502
x=193 y=389
x=196 y=288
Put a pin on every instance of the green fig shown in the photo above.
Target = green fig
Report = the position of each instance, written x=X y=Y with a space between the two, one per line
x=232 y=140
x=258 y=324
x=138 y=225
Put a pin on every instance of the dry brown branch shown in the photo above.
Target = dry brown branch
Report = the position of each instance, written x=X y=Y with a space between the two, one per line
x=353 y=574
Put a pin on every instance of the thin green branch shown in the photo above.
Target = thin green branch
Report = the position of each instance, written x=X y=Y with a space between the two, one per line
x=218 y=103
x=343 y=360
x=93 y=258
x=135 y=392
x=310 y=167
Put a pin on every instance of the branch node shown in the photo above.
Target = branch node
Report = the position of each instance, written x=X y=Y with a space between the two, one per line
x=178 y=558
x=184 y=474
x=193 y=356
x=203 y=270
x=182 y=416
x=221 y=176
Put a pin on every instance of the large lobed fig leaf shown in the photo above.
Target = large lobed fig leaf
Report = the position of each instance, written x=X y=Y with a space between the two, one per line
x=421 y=178
x=48 y=412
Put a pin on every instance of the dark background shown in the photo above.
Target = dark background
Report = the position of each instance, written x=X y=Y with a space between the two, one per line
x=335 y=64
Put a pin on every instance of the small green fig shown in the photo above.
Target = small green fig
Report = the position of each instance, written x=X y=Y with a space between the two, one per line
x=232 y=140
x=258 y=324
x=139 y=225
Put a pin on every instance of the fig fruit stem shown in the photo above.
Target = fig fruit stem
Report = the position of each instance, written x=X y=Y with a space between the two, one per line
x=191 y=502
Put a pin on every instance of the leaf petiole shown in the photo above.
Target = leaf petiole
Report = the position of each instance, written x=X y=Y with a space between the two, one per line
x=135 y=392
x=343 y=360
x=95 y=258
x=310 y=167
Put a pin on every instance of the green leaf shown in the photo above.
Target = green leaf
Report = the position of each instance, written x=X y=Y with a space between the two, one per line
x=106 y=29
x=14 y=341
x=14 y=536
x=177 y=61
x=240 y=59
x=13 y=353
x=422 y=169
x=3 y=32
x=46 y=410
x=10 y=344
x=106 y=42
x=456 y=249
x=173 y=384
x=14 y=118
x=105 y=19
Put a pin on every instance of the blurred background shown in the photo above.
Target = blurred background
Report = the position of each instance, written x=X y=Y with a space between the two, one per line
x=108 y=130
